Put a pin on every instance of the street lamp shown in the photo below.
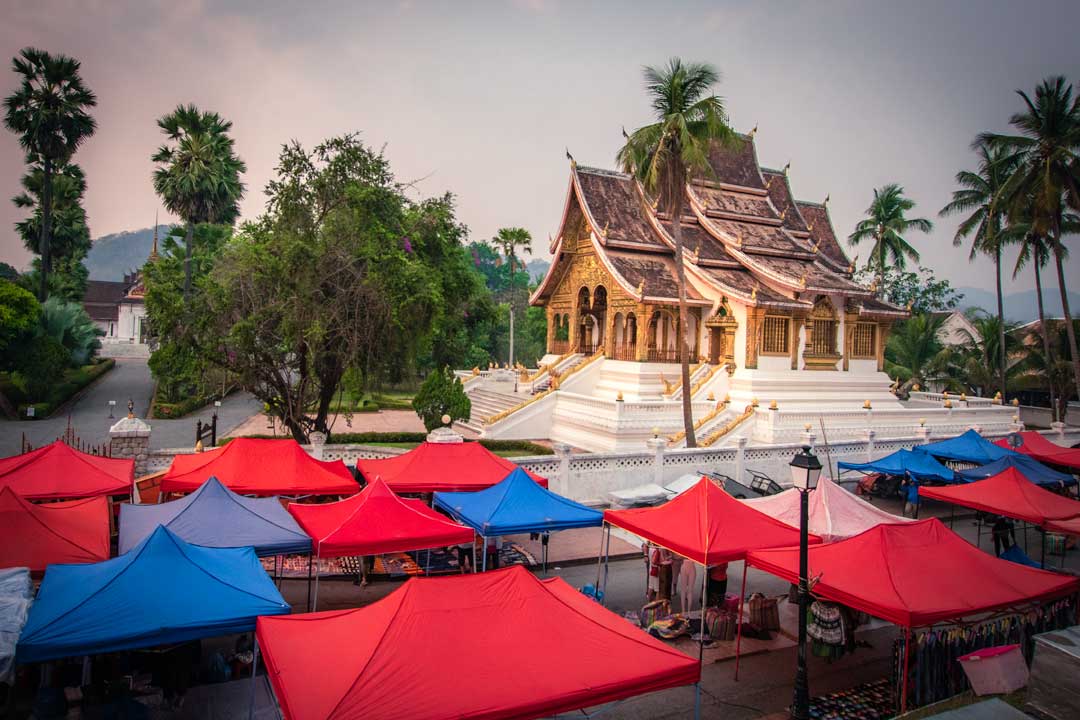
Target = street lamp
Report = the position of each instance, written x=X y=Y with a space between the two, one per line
x=805 y=471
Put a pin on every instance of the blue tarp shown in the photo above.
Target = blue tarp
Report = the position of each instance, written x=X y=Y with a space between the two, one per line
x=918 y=465
x=214 y=516
x=163 y=591
x=1028 y=466
x=1016 y=555
x=517 y=504
x=969 y=447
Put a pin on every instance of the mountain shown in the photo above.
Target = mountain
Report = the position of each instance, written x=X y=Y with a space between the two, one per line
x=113 y=255
x=1020 y=307
x=537 y=268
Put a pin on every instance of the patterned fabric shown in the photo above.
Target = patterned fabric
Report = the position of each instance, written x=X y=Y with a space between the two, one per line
x=824 y=623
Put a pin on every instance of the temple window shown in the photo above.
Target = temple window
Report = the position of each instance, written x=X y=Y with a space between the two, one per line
x=864 y=340
x=776 y=335
x=824 y=337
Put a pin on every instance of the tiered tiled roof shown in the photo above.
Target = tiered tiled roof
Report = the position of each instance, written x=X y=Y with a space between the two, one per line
x=742 y=229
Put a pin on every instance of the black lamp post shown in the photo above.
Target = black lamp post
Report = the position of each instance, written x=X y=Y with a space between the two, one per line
x=805 y=471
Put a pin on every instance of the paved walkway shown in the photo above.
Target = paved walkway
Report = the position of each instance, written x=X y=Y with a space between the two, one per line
x=383 y=421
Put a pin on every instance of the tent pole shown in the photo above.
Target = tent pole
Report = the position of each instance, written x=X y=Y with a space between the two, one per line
x=697 y=699
x=254 y=668
x=607 y=552
x=600 y=555
x=309 y=566
x=474 y=554
x=701 y=629
x=315 y=604
x=978 y=533
x=484 y=539
x=952 y=515
x=907 y=660
x=1042 y=548
x=738 y=620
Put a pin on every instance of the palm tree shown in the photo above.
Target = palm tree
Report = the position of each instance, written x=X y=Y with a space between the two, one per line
x=914 y=352
x=1047 y=177
x=985 y=352
x=1041 y=370
x=69 y=234
x=509 y=240
x=198 y=175
x=886 y=225
x=979 y=194
x=49 y=114
x=663 y=155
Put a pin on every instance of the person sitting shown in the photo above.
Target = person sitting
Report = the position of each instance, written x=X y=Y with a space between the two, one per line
x=717 y=585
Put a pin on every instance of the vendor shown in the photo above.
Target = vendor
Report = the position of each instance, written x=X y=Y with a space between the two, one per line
x=717 y=585
x=911 y=498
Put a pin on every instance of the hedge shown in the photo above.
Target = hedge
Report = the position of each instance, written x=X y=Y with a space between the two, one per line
x=75 y=380
x=368 y=438
x=172 y=411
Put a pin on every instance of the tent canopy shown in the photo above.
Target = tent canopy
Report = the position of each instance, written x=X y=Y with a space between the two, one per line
x=517 y=505
x=917 y=464
x=33 y=536
x=59 y=471
x=502 y=644
x=1028 y=466
x=251 y=466
x=163 y=591
x=1037 y=446
x=214 y=516
x=969 y=447
x=915 y=574
x=441 y=467
x=376 y=521
x=835 y=514
x=1065 y=527
x=1011 y=494
x=706 y=525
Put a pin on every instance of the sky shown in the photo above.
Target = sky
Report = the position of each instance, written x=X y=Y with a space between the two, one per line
x=484 y=99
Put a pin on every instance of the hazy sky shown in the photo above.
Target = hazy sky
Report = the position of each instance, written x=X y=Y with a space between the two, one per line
x=483 y=98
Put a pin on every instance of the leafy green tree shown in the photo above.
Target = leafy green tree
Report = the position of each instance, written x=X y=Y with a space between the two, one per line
x=40 y=365
x=67 y=323
x=1046 y=155
x=979 y=195
x=1040 y=370
x=48 y=112
x=913 y=353
x=8 y=272
x=19 y=312
x=198 y=172
x=441 y=394
x=922 y=291
x=67 y=280
x=985 y=359
x=666 y=153
x=510 y=240
x=886 y=225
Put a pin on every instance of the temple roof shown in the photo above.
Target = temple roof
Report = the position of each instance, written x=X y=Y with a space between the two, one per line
x=822 y=235
x=736 y=166
x=616 y=207
x=744 y=286
x=873 y=308
x=783 y=200
x=653 y=274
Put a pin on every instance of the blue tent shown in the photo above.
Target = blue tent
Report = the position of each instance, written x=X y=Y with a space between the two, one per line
x=918 y=465
x=1016 y=555
x=1028 y=466
x=163 y=591
x=517 y=504
x=214 y=516
x=969 y=447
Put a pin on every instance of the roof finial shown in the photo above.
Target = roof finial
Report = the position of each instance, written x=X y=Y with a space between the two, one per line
x=573 y=162
x=827 y=196
x=624 y=133
x=641 y=289
x=753 y=131
x=786 y=168
x=753 y=293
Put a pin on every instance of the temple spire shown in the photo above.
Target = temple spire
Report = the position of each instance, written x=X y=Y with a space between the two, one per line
x=153 y=250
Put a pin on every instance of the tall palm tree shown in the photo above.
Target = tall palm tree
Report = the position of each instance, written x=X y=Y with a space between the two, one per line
x=49 y=114
x=914 y=354
x=664 y=154
x=985 y=357
x=509 y=240
x=886 y=224
x=69 y=233
x=979 y=194
x=198 y=174
x=1047 y=177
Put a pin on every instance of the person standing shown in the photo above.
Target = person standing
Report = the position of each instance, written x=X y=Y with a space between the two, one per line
x=717 y=585
x=686 y=585
x=666 y=561
x=911 y=498
x=493 y=553
x=652 y=571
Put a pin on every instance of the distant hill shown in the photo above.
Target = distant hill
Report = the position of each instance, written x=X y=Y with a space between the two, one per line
x=113 y=255
x=1022 y=306
x=537 y=268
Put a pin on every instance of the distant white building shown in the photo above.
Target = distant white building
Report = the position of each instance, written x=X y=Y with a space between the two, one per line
x=956 y=328
x=118 y=308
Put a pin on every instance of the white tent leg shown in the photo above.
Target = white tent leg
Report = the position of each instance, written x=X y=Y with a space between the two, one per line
x=254 y=668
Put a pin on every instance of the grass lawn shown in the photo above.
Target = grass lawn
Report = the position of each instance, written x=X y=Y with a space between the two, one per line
x=372 y=402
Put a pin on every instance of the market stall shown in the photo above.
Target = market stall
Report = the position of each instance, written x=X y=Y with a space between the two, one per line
x=1028 y=466
x=495 y=645
x=834 y=513
x=376 y=521
x=915 y=575
x=441 y=467
x=911 y=463
x=251 y=466
x=214 y=516
x=37 y=535
x=1036 y=445
x=517 y=505
x=163 y=591
x=970 y=447
x=60 y=472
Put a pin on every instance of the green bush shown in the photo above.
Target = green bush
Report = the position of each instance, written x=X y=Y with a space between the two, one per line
x=70 y=382
x=441 y=394
x=40 y=367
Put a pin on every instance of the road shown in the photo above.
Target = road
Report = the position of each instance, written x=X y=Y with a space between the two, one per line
x=129 y=380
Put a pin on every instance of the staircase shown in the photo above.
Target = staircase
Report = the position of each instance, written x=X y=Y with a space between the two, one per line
x=486 y=403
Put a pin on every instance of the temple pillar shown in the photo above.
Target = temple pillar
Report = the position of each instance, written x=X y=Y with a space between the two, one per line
x=754 y=318
x=883 y=330
x=609 y=333
x=551 y=327
x=850 y=319
x=644 y=319
x=796 y=328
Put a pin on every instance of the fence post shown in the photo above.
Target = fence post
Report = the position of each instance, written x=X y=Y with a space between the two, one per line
x=870 y=434
x=657 y=445
x=318 y=444
x=129 y=437
x=1057 y=427
x=740 y=458
x=562 y=450
x=922 y=435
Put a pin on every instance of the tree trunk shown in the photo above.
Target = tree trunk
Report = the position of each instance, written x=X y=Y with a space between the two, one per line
x=1044 y=331
x=1069 y=330
x=46 y=227
x=684 y=322
x=1001 y=321
x=189 y=238
x=881 y=268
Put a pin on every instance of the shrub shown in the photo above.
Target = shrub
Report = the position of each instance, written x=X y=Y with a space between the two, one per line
x=441 y=394
x=40 y=366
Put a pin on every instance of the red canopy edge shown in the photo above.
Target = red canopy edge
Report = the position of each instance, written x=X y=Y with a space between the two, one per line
x=706 y=525
x=35 y=536
x=1008 y=493
x=1044 y=450
x=394 y=654
x=442 y=467
x=59 y=471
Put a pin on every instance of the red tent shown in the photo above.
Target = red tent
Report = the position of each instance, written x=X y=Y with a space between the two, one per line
x=376 y=521
x=1065 y=527
x=248 y=466
x=1008 y=493
x=1037 y=446
x=58 y=471
x=441 y=467
x=33 y=536
x=495 y=645
x=706 y=525
x=915 y=574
